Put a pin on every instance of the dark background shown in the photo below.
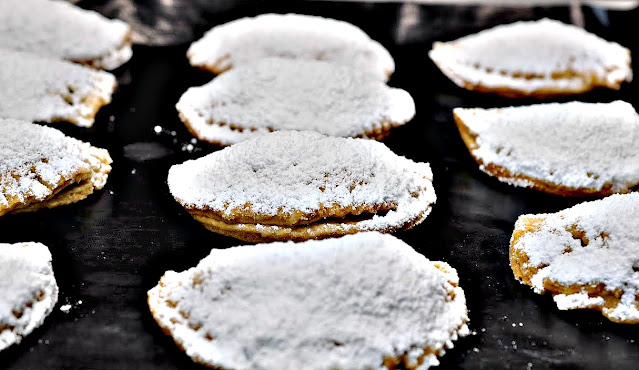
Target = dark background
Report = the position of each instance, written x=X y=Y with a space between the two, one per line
x=109 y=249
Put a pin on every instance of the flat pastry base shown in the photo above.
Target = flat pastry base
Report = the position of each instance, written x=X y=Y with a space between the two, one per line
x=503 y=174
x=524 y=273
x=261 y=233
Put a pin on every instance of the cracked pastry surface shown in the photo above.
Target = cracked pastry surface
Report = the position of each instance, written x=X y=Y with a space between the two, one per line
x=541 y=59
x=364 y=301
x=291 y=36
x=28 y=287
x=281 y=94
x=40 y=167
x=303 y=185
x=36 y=88
x=570 y=149
x=61 y=30
x=586 y=256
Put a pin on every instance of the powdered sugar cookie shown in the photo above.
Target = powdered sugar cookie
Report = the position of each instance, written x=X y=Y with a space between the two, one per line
x=28 y=290
x=281 y=94
x=42 y=168
x=572 y=149
x=61 y=30
x=586 y=256
x=365 y=301
x=48 y=90
x=540 y=59
x=289 y=36
x=303 y=185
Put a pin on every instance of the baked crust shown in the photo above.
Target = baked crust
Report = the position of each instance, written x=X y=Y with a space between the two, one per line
x=524 y=272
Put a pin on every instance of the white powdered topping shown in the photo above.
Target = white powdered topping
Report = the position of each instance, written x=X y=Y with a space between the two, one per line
x=290 y=36
x=59 y=29
x=343 y=303
x=43 y=89
x=28 y=290
x=283 y=94
x=290 y=171
x=33 y=156
x=590 y=243
x=578 y=145
x=541 y=49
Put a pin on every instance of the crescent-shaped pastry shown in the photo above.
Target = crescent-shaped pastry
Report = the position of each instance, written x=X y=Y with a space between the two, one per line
x=64 y=31
x=586 y=256
x=281 y=94
x=28 y=290
x=292 y=36
x=291 y=185
x=42 y=168
x=571 y=149
x=36 y=88
x=365 y=301
x=540 y=59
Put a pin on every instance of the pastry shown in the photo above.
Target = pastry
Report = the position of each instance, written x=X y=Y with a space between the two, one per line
x=540 y=59
x=365 y=301
x=41 y=89
x=291 y=185
x=292 y=36
x=28 y=290
x=42 y=168
x=586 y=256
x=61 y=30
x=282 y=94
x=571 y=149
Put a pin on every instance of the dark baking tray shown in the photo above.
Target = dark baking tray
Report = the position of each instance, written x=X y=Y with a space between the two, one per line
x=109 y=249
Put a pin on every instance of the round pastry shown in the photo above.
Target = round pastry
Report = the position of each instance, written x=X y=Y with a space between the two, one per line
x=292 y=185
x=61 y=30
x=42 y=168
x=540 y=59
x=42 y=89
x=281 y=94
x=571 y=149
x=292 y=36
x=364 y=301
x=586 y=256
x=28 y=290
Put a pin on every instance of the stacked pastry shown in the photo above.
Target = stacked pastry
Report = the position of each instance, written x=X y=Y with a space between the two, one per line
x=296 y=99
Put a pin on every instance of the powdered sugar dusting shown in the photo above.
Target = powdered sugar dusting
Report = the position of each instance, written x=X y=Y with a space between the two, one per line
x=35 y=88
x=282 y=94
x=290 y=171
x=590 y=243
x=28 y=288
x=290 y=36
x=577 y=145
x=550 y=51
x=336 y=303
x=34 y=156
x=59 y=29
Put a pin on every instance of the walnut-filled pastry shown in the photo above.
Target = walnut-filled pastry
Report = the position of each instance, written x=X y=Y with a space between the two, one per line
x=42 y=89
x=282 y=94
x=586 y=256
x=28 y=290
x=42 y=168
x=64 y=31
x=364 y=301
x=291 y=185
x=540 y=59
x=291 y=36
x=571 y=149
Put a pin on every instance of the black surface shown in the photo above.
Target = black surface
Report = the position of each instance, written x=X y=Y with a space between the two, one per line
x=109 y=249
